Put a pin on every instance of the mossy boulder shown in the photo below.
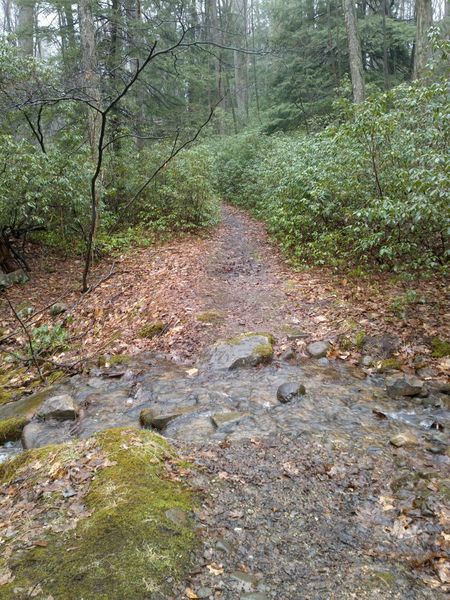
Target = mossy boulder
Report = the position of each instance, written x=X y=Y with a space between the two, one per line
x=11 y=429
x=246 y=350
x=99 y=525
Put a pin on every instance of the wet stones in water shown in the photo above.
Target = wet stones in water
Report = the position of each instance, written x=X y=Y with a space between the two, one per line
x=405 y=385
x=404 y=439
x=221 y=419
x=151 y=418
x=318 y=349
x=61 y=408
x=247 y=350
x=288 y=392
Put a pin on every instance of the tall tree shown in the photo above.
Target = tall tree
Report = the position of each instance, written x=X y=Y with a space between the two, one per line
x=354 y=51
x=422 y=50
x=25 y=27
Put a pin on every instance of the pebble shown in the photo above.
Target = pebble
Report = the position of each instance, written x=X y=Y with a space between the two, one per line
x=287 y=392
x=318 y=349
x=404 y=439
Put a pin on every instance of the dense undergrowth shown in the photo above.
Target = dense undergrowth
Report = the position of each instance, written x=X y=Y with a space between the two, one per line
x=371 y=189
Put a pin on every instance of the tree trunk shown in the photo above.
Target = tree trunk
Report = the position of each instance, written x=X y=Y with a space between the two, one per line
x=25 y=27
x=422 y=49
x=354 y=51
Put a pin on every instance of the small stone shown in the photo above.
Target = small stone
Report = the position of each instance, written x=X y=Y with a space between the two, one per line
x=367 y=361
x=287 y=392
x=318 y=349
x=324 y=361
x=427 y=372
x=405 y=385
x=224 y=418
x=254 y=596
x=61 y=408
x=58 y=309
x=296 y=334
x=204 y=592
x=150 y=418
x=223 y=546
x=245 y=582
x=404 y=439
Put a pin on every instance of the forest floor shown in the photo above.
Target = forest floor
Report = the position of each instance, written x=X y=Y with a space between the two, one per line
x=178 y=297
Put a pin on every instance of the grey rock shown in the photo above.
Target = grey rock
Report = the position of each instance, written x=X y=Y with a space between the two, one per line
x=248 y=350
x=39 y=434
x=404 y=439
x=426 y=372
x=158 y=419
x=318 y=349
x=367 y=361
x=58 y=309
x=405 y=385
x=204 y=592
x=61 y=408
x=254 y=596
x=296 y=334
x=287 y=392
x=323 y=361
x=191 y=428
x=221 y=419
x=9 y=279
x=244 y=581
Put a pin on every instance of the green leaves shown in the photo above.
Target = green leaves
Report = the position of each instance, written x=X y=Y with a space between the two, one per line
x=374 y=189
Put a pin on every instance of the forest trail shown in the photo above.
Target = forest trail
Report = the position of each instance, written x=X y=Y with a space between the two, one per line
x=336 y=491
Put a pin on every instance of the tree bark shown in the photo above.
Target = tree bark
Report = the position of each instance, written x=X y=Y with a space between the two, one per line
x=422 y=49
x=354 y=51
x=25 y=27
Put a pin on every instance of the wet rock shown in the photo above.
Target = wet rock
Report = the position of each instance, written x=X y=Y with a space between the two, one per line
x=247 y=350
x=58 y=309
x=287 y=392
x=318 y=349
x=38 y=434
x=323 y=361
x=152 y=418
x=404 y=439
x=221 y=419
x=191 y=428
x=426 y=372
x=405 y=385
x=61 y=408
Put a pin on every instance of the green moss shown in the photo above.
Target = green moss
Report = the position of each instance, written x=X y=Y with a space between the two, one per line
x=440 y=348
x=25 y=407
x=243 y=336
x=119 y=359
x=11 y=429
x=130 y=545
x=151 y=330
x=265 y=351
x=210 y=317
x=388 y=364
x=360 y=339
x=345 y=343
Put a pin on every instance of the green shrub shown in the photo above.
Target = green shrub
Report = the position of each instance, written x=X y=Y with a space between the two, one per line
x=373 y=189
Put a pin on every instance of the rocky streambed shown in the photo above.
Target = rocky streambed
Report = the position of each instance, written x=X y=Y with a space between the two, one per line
x=318 y=482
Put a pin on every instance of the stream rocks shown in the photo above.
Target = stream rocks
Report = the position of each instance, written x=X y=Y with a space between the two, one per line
x=246 y=350
x=318 y=349
x=405 y=385
x=287 y=392
x=61 y=408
